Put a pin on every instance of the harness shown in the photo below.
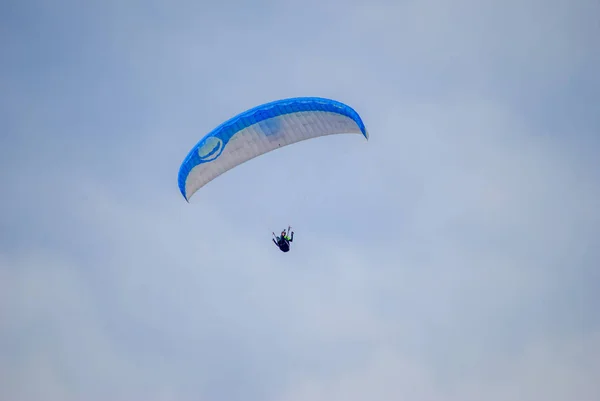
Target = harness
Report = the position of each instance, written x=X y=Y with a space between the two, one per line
x=283 y=243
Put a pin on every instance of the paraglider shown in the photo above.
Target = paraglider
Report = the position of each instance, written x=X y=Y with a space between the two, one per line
x=263 y=129
x=283 y=241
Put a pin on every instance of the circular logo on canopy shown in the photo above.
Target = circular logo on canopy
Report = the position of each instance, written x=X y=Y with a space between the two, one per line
x=211 y=149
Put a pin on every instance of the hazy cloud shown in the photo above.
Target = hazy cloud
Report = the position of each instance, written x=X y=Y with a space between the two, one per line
x=452 y=257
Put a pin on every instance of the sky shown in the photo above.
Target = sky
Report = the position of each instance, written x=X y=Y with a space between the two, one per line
x=452 y=257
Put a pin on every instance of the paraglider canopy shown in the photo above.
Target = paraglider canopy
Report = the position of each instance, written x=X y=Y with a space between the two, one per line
x=263 y=129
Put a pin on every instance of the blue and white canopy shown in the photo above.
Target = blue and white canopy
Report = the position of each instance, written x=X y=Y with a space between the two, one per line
x=260 y=130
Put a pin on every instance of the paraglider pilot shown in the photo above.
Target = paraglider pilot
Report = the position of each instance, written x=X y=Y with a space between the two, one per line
x=283 y=242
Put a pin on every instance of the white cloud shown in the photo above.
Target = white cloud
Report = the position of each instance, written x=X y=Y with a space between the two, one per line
x=552 y=371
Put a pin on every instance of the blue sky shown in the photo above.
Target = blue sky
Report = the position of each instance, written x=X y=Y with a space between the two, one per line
x=453 y=257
